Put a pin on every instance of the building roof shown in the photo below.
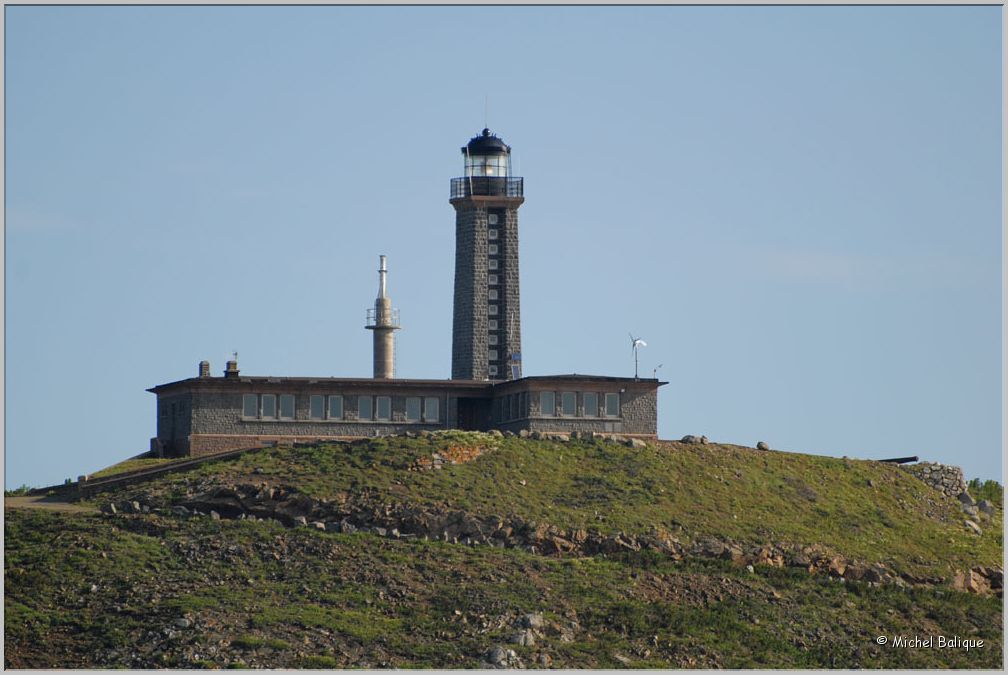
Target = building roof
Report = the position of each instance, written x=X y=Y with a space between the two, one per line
x=486 y=144
x=459 y=385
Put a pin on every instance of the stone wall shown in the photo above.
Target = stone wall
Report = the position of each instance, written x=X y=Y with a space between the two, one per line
x=220 y=414
x=945 y=478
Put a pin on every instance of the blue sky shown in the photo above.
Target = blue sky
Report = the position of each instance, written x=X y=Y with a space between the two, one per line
x=798 y=208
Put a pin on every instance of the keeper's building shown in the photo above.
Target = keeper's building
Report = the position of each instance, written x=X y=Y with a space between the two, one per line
x=487 y=390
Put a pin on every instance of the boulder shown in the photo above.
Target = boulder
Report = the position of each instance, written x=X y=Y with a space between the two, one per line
x=690 y=439
x=498 y=657
x=525 y=638
x=973 y=527
x=532 y=620
x=986 y=507
x=965 y=498
x=762 y=446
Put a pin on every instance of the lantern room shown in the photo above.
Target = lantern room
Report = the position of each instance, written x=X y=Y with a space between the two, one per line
x=487 y=155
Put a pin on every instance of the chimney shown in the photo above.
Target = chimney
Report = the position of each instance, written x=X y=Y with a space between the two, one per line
x=232 y=367
x=204 y=369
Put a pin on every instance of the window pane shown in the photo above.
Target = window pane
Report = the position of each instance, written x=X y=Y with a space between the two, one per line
x=547 y=404
x=430 y=413
x=492 y=324
x=492 y=310
x=492 y=339
x=384 y=408
x=591 y=404
x=491 y=264
x=287 y=406
x=612 y=405
x=492 y=279
x=269 y=405
x=492 y=220
x=492 y=249
x=492 y=294
x=491 y=234
x=250 y=405
x=317 y=408
x=493 y=370
x=492 y=354
x=364 y=408
x=413 y=409
x=567 y=404
x=335 y=407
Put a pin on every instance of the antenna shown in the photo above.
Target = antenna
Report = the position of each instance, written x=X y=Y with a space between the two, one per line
x=654 y=373
x=486 y=109
x=636 y=343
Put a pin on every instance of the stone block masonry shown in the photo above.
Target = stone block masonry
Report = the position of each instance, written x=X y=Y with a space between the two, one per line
x=942 y=477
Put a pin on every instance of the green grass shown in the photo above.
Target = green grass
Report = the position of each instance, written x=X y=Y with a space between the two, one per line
x=279 y=597
x=865 y=510
x=130 y=465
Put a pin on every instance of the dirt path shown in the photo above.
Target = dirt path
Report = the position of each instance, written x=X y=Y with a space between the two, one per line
x=43 y=502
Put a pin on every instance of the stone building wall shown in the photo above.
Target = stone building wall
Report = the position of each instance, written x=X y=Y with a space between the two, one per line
x=220 y=413
x=945 y=478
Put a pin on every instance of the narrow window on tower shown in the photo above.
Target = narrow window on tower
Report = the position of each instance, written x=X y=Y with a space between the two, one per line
x=492 y=324
x=493 y=370
x=492 y=279
x=492 y=310
x=491 y=264
x=491 y=219
x=492 y=339
x=492 y=354
x=492 y=249
x=492 y=294
x=492 y=234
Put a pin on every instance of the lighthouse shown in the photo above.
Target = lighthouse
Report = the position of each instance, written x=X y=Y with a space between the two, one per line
x=383 y=320
x=486 y=326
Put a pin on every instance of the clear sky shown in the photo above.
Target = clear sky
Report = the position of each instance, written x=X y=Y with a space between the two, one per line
x=798 y=208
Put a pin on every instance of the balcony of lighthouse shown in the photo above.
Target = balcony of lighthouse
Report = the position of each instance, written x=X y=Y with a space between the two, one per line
x=487 y=186
x=383 y=318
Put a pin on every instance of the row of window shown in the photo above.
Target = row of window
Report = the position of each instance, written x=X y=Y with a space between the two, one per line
x=568 y=404
x=320 y=408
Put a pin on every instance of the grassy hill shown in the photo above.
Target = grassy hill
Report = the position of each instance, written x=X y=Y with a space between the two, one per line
x=158 y=589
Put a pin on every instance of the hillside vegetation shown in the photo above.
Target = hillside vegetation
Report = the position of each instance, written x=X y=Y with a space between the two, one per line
x=867 y=510
x=169 y=589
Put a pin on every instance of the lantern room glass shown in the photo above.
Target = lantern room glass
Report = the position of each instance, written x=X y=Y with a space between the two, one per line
x=486 y=165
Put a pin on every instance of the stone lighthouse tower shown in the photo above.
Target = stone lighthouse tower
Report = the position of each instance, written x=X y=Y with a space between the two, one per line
x=486 y=330
x=384 y=321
